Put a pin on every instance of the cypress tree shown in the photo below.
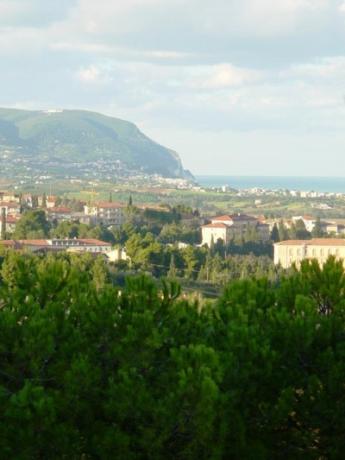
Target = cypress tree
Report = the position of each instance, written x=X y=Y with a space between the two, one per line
x=3 y=223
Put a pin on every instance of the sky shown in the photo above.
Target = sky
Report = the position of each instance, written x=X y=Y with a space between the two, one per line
x=237 y=87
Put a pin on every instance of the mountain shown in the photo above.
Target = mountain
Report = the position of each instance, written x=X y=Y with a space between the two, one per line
x=61 y=140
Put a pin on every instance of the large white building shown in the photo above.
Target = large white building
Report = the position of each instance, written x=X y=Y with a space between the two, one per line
x=64 y=244
x=287 y=253
x=107 y=213
x=229 y=226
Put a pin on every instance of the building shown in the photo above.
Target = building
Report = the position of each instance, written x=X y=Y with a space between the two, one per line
x=106 y=213
x=229 y=226
x=51 y=201
x=11 y=222
x=59 y=214
x=12 y=208
x=117 y=255
x=287 y=253
x=9 y=196
x=90 y=245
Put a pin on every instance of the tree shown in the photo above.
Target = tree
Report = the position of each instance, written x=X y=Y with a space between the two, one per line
x=172 y=268
x=317 y=231
x=275 y=234
x=3 y=224
x=299 y=231
x=44 y=200
x=258 y=373
x=32 y=224
x=130 y=201
x=283 y=231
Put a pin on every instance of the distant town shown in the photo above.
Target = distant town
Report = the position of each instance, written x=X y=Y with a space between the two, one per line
x=44 y=222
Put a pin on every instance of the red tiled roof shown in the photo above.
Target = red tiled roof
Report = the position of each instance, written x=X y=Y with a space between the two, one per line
x=219 y=225
x=34 y=242
x=9 y=204
x=233 y=217
x=9 y=243
x=11 y=219
x=223 y=218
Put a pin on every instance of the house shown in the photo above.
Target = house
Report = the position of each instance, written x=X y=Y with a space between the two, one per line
x=11 y=222
x=227 y=227
x=287 y=253
x=9 y=196
x=27 y=200
x=106 y=213
x=12 y=208
x=59 y=213
x=117 y=254
x=51 y=201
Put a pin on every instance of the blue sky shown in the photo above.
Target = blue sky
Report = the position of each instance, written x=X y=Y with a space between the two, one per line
x=251 y=87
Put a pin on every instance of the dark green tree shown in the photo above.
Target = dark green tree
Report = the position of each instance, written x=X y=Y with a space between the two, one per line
x=32 y=224
x=3 y=224
x=317 y=231
x=275 y=234
x=44 y=200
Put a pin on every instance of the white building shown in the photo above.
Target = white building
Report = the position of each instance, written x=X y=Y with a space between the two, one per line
x=11 y=222
x=11 y=208
x=287 y=253
x=228 y=226
x=106 y=213
x=90 y=245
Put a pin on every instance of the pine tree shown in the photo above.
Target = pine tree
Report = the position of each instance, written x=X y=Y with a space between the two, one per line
x=130 y=201
x=3 y=223
x=44 y=200
x=275 y=233
x=283 y=232
x=172 y=272
x=317 y=231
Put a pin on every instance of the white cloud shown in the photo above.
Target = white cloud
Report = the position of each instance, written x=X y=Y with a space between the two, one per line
x=227 y=75
x=90 y=74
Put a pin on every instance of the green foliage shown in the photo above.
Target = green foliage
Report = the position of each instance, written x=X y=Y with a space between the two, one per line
x=3 y=224
x=84 y=136
x=275 y=234
x=298 y=231
x=317 y=231
x=90 y=371
x=32 y=224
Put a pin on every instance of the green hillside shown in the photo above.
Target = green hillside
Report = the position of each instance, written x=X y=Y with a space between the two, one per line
x=78 y=136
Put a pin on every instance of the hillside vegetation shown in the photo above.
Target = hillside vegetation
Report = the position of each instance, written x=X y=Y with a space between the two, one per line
x=93 y=371
x=76 y=136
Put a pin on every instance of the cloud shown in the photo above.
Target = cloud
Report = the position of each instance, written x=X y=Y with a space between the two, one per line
x=33 y=13
x=93 y=75
x=227 y=75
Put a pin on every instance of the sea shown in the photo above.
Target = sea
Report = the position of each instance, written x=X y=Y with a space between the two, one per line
x=316 y=184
